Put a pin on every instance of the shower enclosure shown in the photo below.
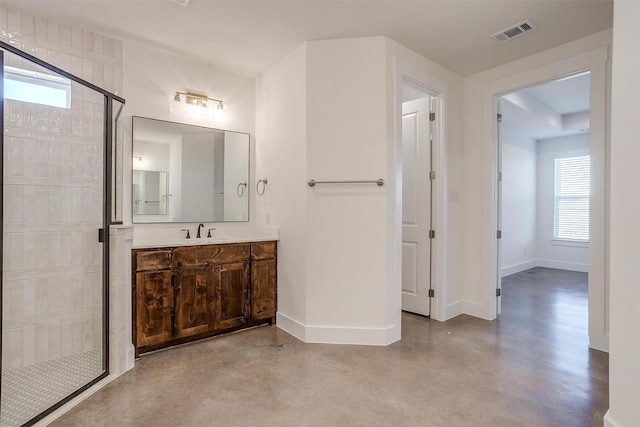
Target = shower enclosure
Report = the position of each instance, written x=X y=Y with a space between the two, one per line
x=59 y=196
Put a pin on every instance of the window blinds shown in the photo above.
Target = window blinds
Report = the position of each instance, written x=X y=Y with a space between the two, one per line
x=571 y=199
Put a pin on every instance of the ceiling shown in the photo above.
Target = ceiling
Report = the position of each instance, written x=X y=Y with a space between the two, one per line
x=249 y=36
x=551 y=110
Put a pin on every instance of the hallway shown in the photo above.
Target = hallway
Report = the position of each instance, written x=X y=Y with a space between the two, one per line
x=532 y=367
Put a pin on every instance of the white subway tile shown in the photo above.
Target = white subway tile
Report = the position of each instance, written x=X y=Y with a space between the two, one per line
x=54 y=205
x=76 y=38
x=29 y=344
x=28 y=24
x=55 y=340
x=42 y=342
x=53 y=57
x=30 y=148
x=53 y=31
x=87 y=41
x=29 y=242
x=30 y=204
x=4 y=19
x=77 y=336
x=42 y=214
x=87 y=290
x=87 y=334
x=42 y=118
x=42 y=296
x=109 y=47
x=65 y=35
x=14 y=21
x=29 y=115
x=66 y=337
x=65 y=258
x=14 y=204
x=14 y=156
x=29 y=298
x=66 y=215
x=13 y=347
x=98 y=44
x=54 y=158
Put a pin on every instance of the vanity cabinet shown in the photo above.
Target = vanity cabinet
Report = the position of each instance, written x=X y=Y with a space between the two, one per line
x=263 y=280
x=193 y=292
x=153 y=298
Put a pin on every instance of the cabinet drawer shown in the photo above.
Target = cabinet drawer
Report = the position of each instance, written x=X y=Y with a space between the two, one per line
x=153 y=260
x=210 y=254
x=263 y=250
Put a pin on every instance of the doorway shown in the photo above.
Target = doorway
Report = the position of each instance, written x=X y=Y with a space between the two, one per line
x=418 y=126
x=594 y=61
x=544 y=177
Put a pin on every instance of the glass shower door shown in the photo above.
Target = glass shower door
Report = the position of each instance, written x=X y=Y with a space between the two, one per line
x=53 y=287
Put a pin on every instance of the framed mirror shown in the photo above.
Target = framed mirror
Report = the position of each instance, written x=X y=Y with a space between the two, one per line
x=188 y=173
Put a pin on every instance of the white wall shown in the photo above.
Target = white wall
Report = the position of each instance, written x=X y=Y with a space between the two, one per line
x=328 y=112
x=519 y=202
x=346 y=140
x=281 y=158
x=624 y=368
x=151 y=78
x=556 y=254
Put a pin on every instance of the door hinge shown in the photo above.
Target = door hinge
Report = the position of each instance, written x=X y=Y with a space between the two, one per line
x=100 y=235
x=499 y=118
x=432 y=116
x=432 y=234
x=499 y=176
x=432 y=174
x=432 y=293
x=499 y=234
x=498 y=292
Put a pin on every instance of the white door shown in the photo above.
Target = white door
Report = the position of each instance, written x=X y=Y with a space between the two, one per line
x=416 y=205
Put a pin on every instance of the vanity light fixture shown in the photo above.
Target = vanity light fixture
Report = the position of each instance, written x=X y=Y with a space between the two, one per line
x=199 y=100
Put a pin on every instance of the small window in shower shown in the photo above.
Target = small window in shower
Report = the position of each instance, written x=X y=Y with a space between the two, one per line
x=37 y=87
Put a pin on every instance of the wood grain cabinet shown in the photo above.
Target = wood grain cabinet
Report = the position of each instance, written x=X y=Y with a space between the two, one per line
x=193 y=292
x=153 y=298
x=263 y=280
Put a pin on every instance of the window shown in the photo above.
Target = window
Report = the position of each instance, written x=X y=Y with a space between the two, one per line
x=35 y=87
x=571 y=194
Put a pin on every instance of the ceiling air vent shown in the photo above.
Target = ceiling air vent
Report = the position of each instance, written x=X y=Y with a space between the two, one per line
x=523 y=27
x=184 y=3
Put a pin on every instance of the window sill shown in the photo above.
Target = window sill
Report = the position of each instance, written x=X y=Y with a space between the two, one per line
x=575 y=243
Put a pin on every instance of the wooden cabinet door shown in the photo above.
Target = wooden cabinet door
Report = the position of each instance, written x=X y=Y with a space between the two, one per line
x=263 y=289
x=194 y=300
x=232 y=294
x=154 y=307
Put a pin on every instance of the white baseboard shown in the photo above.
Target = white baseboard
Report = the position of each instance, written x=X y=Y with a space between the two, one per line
x=517 y=268
x=563 y=265
x=338 y=334
x=454 y=309
x=476 y=309
x=290 y=326
x=608 y=421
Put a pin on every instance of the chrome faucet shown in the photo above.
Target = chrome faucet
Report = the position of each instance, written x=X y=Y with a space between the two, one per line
x=200 y=226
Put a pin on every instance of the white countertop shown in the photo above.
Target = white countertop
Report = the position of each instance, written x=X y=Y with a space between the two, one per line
x=173 y=237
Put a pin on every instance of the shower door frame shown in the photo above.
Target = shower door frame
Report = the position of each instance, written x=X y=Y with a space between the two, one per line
x=103 y=233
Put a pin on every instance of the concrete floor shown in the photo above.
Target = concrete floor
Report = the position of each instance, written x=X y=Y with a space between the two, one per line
x=532 y=367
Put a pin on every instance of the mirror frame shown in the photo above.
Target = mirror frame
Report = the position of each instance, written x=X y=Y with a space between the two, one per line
x=133 y=117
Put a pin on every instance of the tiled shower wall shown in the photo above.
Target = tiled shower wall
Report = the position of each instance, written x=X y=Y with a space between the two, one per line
x=52 y=315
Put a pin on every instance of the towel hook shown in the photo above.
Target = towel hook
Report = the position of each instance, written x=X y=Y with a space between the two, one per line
x=264 y=186
x=240 y=188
